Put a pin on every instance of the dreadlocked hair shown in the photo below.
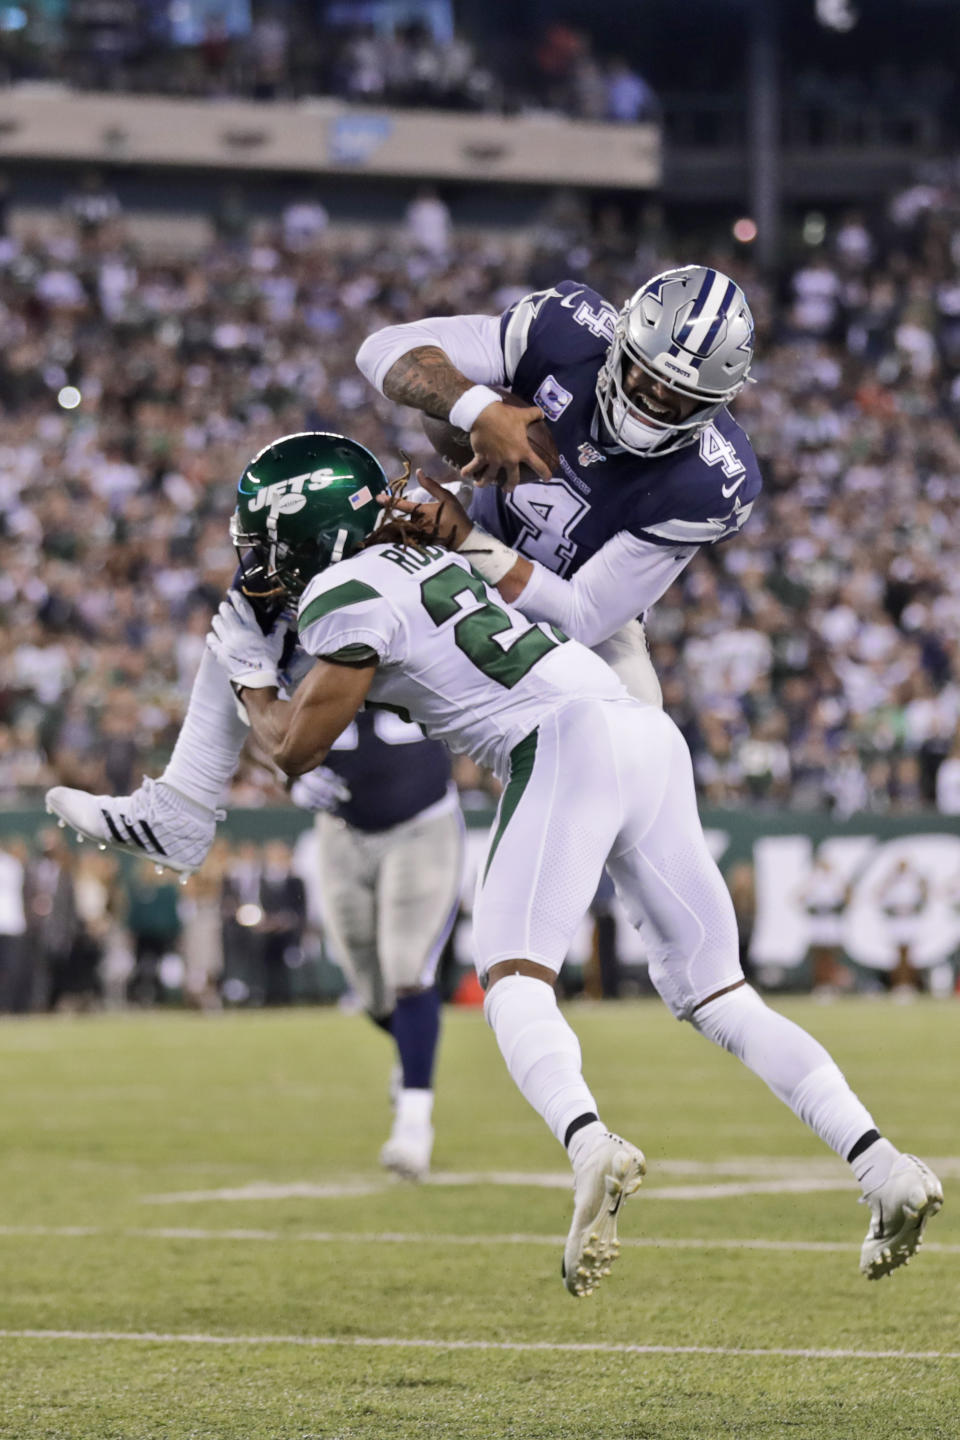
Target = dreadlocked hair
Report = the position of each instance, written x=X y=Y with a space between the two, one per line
x=398 y=528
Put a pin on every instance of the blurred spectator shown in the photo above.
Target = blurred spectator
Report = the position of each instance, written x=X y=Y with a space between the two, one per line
x=241 y=912
x=629 y=97
x=15 y=968
x=97 y=893
x=153 y=919
x=304 y=222
x=92 y=205
x=51 y=914
x=283 y=906
x=428 y=224
x=268 y=49
x=948 y=781
x=742 y=883
x=557 y=58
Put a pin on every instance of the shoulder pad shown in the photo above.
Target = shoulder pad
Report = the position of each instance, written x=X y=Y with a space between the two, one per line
x=566 y=321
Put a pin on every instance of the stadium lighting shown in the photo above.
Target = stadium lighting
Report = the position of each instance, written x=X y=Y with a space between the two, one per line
x=837 y=14
x=69 y=397
x=745 y=230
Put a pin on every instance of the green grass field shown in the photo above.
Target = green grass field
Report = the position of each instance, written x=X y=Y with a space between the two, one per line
x=196 y=1241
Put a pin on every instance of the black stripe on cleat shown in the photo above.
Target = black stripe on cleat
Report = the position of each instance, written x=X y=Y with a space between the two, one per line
x=112 y=828
x=132 y=833
x=152 y=838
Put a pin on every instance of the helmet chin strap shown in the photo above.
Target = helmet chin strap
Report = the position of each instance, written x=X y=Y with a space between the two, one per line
x=339 y=545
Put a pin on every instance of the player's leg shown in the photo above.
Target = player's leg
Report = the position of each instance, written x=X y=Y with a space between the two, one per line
x=417 y=902
x=628 y=655
x=347 y=862
x=555 y=824
x=669 y=881
x=171 y=820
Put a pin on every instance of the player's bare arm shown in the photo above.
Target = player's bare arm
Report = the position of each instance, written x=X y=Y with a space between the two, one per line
x=427 y=380
x=296 y=735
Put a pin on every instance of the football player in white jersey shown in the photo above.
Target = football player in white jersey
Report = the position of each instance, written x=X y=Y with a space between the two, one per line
x=591 y=778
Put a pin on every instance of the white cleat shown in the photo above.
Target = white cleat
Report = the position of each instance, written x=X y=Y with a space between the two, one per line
x=155 y=823
x=606 y=1176
x=909 y=1197
x=407 y=1152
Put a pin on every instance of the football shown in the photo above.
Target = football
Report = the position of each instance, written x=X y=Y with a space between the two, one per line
x=453 y=445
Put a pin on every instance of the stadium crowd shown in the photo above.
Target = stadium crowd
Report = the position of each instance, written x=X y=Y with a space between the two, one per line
x=814 y=661
x=284 y=55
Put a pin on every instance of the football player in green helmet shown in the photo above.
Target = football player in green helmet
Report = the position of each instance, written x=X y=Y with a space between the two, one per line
x=303 y=503
x=592 y=778
x=390 y=855
x=390 y=858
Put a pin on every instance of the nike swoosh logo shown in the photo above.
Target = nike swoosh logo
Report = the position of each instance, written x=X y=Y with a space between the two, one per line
x=726 y=493
x=567 y=301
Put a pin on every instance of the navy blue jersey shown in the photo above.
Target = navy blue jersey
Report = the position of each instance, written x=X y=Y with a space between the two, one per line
x=554 y=343
x=393 y=773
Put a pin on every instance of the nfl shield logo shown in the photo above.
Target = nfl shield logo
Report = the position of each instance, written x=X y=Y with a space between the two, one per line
x=588 y=454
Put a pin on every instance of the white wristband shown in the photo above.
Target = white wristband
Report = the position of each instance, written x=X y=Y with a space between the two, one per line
x=464 y=412
x=488 y=555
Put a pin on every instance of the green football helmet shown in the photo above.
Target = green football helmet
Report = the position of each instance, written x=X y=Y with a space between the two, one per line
x=304 y=502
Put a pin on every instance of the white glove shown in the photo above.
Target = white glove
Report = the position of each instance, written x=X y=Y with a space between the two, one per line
x=320 y=789
x=249 y=657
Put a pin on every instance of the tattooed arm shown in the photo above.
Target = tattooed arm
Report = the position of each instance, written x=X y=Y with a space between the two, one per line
x=425 y=378
x=432 y=363
x=469 y=344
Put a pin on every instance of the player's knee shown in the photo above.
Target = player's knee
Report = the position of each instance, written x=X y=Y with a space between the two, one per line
x=729 y=1017
x=502 y=968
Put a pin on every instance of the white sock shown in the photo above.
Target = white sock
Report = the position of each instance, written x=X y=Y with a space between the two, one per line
x=874 y=1165
x=541 y=1051
x=795 y=1066
x=414 y=1109
x=210 y=740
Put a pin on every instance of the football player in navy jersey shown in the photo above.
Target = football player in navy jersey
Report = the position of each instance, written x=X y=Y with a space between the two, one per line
x=652 y=463
x=389 y=839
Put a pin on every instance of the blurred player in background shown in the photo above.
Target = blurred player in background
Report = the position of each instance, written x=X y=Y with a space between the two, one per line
x=593 y=778
x=654 y=466
x=390 y=867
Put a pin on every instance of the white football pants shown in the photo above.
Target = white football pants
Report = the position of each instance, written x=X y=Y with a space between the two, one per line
x=607 y=783
x=389 y=900
x=627 y=654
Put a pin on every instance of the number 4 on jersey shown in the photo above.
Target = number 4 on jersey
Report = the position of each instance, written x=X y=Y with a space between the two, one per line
x=715 y=449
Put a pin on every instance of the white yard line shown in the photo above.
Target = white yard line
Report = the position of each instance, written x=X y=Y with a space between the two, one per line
x=386 y=1342
x=499 y=1179
x=754 y=1176
x=389 y=1237
x=266 y=1190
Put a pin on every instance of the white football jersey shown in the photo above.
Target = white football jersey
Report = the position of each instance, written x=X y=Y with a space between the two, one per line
x=452 y=655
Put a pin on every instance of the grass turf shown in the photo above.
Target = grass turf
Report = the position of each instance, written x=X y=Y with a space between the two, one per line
x=104 y=1116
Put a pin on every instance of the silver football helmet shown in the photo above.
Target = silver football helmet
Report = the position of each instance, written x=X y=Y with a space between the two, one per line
x=689 y=328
